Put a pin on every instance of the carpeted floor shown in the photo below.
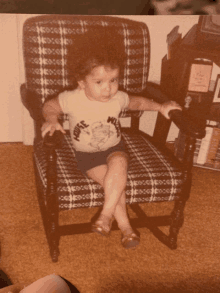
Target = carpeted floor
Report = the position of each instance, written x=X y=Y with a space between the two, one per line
x=96 y=264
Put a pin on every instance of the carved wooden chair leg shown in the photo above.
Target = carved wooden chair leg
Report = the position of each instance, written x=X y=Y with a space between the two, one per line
x=50 y=222
x=177 y=222
x=53 y=205
x=45 y=219
x=54 y=241
x=53 y=227
x=43 y=208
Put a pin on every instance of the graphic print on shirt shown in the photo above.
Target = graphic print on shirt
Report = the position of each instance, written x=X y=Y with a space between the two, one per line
x=98 y=133
x=81 y=126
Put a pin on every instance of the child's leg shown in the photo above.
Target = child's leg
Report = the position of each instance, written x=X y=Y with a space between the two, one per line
x=113 y=178
x=99 y=174
x=121 y=215
x=113 y=181
x=48 y=284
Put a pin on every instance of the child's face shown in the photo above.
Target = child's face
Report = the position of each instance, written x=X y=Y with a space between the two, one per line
x=101 y=84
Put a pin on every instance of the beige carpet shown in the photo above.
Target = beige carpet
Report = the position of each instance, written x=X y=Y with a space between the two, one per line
x=96 y=264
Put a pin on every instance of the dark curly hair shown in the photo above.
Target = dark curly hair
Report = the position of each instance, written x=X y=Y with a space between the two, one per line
x=104 y=47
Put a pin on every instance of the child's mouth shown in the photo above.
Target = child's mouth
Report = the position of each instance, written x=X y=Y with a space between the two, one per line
x=105 y=98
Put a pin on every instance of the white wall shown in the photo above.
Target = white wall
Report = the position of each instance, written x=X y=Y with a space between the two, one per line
x=10 y=105
x=159 y=27
x=27 y=121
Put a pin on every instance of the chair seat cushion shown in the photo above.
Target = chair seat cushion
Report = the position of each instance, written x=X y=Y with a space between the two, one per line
x=152 y=176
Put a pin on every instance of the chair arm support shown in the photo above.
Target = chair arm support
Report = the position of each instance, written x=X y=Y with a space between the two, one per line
x=188 y=124
x=54 y=141
x=32 y=103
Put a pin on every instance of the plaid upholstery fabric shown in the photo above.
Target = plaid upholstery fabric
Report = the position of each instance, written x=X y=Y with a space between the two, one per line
x=152 y=177
x=46 y=40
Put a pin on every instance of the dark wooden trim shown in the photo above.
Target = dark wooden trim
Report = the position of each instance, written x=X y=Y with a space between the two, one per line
x=135 y=121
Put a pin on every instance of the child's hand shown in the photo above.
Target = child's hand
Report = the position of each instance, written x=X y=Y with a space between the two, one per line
x=167 y=106
x=51 y=127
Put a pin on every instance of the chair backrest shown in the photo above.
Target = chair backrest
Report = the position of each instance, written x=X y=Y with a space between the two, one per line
x=46 y=39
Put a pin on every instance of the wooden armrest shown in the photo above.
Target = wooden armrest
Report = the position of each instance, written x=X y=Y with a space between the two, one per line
x=32 y=103
x=187 y=124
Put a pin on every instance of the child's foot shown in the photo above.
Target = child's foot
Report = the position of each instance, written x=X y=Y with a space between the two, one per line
x=129 y=239
x=103 y=225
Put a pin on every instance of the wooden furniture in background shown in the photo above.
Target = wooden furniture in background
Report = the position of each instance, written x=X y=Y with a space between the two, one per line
x=175 y=74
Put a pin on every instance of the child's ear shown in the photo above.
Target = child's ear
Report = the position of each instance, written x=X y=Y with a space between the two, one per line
x=81 y=84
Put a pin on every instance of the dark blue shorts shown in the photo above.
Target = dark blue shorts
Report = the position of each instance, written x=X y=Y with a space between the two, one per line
x=87 y=161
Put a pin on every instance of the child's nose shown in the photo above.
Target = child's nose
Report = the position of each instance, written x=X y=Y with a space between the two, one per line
x=108 y=87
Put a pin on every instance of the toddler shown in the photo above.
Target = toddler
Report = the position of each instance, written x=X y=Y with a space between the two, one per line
x=93 y=108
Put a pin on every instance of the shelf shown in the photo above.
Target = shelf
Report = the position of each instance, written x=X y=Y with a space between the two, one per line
x=214 y=113
x=205 y=167
x=192 y=49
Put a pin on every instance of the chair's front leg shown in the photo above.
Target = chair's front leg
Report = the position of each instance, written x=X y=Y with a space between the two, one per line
x=177 y=222
x=188 y=154
x=178 y=211
x=52 y=204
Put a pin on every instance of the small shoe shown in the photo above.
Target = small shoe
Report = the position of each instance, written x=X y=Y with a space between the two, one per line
x=103 y=225
x=130 y=240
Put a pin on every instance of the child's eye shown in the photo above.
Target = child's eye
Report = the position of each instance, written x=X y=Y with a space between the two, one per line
x=98 y=82
x=114 y=80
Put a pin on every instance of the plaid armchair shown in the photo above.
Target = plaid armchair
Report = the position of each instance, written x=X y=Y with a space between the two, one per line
x=154 y=174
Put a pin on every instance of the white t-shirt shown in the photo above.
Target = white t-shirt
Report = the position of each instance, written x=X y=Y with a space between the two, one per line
x=94 y=125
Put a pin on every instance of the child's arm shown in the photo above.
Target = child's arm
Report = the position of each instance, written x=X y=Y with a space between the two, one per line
x=144 y=104
x=51 y=112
